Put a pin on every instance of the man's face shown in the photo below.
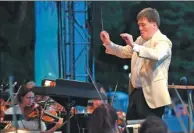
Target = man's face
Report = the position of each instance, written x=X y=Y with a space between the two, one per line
x=28 y=99
x=146 y=28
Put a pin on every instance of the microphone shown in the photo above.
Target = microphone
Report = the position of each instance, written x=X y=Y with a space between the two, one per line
x=183 y=80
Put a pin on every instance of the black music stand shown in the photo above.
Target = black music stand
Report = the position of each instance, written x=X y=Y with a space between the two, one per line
x=80 y=93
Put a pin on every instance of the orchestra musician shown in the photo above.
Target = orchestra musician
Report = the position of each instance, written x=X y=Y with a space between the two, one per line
x=26 y=98
x=103 y=120
x=30 y=85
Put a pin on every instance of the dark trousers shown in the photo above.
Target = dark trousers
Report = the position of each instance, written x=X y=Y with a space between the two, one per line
x=139 y=109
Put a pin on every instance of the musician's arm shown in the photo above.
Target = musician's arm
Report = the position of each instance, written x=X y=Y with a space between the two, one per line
x=57 y=125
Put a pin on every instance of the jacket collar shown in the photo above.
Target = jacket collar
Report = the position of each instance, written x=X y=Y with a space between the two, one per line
x=156 y=34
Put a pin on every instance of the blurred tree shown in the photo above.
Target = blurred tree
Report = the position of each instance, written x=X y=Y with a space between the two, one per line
x=16 y=34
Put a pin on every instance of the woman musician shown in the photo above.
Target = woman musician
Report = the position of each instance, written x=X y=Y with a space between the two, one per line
x=26 y=98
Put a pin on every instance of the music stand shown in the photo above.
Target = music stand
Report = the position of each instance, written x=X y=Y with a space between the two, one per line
x=79 y=93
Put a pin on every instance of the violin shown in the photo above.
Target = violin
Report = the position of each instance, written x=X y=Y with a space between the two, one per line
x=3 y=107
x=48 y=116
x=121 y=118
x=57 y=107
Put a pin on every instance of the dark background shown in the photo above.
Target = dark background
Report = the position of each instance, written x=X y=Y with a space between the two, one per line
x=17 y=40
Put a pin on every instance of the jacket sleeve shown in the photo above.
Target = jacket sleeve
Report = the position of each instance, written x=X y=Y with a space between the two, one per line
x=119 y=51
x=161 y=50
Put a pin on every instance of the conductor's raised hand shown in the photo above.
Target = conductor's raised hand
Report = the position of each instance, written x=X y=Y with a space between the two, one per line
x=104 y=36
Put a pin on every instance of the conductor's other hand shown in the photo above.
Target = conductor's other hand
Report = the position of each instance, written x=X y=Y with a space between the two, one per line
x=128 y=38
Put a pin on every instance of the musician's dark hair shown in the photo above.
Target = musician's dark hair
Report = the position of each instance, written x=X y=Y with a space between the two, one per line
x=153 y=124
x=103 y=120
x=23 y=91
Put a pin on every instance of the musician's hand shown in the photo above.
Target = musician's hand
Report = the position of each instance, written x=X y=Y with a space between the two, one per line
x=104 y=36
x=59 y=123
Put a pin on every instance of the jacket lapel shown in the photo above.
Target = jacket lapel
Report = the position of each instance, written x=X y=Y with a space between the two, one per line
x=145 y=63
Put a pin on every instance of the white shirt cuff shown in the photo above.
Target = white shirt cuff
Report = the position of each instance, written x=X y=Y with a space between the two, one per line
x=108 y=46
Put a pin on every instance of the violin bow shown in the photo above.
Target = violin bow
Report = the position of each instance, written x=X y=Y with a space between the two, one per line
x=15 y=95
x=112 y=100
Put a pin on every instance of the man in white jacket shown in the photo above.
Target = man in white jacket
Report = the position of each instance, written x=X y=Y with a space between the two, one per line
x=150 y=58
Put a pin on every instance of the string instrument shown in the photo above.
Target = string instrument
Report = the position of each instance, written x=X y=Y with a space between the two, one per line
x=121 y=118
x=57 y=107
x=3 y=106
x=48 y=116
